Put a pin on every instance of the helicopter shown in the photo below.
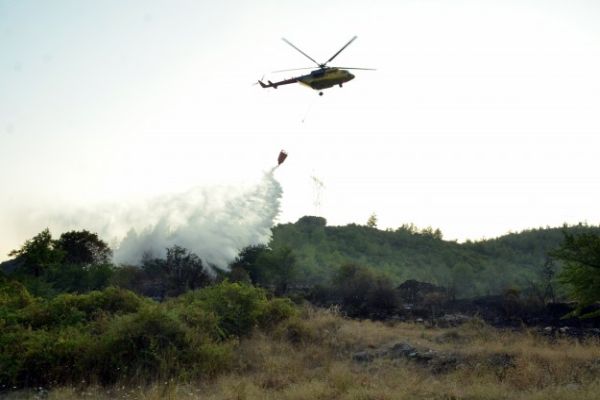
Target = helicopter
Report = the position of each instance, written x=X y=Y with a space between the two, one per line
x=318 y=79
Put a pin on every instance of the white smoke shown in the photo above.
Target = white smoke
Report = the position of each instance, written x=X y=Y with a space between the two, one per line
x=214 y=223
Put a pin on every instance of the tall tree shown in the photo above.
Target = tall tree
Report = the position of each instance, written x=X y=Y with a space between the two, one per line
x=179 y=272
x=38 y=253
x=247 y=260
x=83 y=247
x=580 y=255
x=280 y=268
x=362 y=292
x=372 y=221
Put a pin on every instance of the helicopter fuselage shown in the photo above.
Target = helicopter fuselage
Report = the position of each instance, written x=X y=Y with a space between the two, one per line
x=325 y=78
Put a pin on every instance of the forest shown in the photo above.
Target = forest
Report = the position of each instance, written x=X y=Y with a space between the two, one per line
x=490 y=266
x=69 y=315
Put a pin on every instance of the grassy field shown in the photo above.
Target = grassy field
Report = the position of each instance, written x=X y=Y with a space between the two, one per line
x=311 y=357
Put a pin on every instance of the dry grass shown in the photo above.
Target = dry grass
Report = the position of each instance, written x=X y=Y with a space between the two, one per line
x=310 y=358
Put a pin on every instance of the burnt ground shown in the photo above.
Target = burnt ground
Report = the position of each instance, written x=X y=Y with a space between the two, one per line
x=431 y=304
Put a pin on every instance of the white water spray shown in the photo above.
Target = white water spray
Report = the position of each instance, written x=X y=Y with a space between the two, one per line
x=214 y=223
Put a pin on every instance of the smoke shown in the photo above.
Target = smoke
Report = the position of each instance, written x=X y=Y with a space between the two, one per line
x=213 y=222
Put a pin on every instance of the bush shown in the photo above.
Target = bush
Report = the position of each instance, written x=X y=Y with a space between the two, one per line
x=33 y=358
x=360 y=292
x=237 y=306
x=114 y=335
x=70 y=309
x=276 y=311
x=200 y=321
x=315 y=326
x=145 y=344
x=13 y=297
x=150 y=344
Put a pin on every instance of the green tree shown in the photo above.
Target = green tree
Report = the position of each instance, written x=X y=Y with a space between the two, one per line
x=179 y=272
x=76 y=262
x=83 y=247
x=38 y=254
x=79 y=278
x=372 y=221
x=461 y=280
x=363 y=293
x=273 y=268
x=280 y=265
x=580 y=255
x=247 y=260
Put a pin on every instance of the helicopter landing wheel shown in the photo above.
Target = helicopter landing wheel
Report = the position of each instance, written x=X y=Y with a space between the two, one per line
x=320 y=93
x=341 y=85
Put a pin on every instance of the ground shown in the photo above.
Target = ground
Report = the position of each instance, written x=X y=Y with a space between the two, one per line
x=321 y=355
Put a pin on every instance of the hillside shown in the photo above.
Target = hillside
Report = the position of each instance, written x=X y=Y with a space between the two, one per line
x=74 y=325
x=515 y=260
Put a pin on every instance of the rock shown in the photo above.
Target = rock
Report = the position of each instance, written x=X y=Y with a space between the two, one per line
x=400 y=350
x=424 y=356
x=363 y=356
x=547 y=331
x=438 y=362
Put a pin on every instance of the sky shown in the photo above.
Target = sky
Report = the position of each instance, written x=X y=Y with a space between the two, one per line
x=482 y=116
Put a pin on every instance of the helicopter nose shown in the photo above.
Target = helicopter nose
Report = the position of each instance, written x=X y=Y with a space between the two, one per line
x=350 y=76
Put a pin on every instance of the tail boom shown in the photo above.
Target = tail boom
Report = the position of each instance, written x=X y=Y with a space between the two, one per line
x=275 y=84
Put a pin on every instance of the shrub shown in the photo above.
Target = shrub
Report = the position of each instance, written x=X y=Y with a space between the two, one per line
x=154 y=344
x=237 y=306
x=361 y=292
x=141 y=344
x=70 y=309
x=13 y=297
x=114 y=335
x=33 y=358
x=276 y=311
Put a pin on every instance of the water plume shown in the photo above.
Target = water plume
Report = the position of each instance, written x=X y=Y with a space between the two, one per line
x=214 y=223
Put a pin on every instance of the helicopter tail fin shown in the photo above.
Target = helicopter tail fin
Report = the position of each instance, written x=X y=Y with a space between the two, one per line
x=271 y=84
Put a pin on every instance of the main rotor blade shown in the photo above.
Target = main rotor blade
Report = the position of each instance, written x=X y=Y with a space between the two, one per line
x=340 y=50
x=256 y=83
x=303 y=53
x=364 y=69
x=293 y=69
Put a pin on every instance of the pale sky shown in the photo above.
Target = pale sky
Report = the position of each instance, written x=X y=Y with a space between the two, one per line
x=483 y=117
